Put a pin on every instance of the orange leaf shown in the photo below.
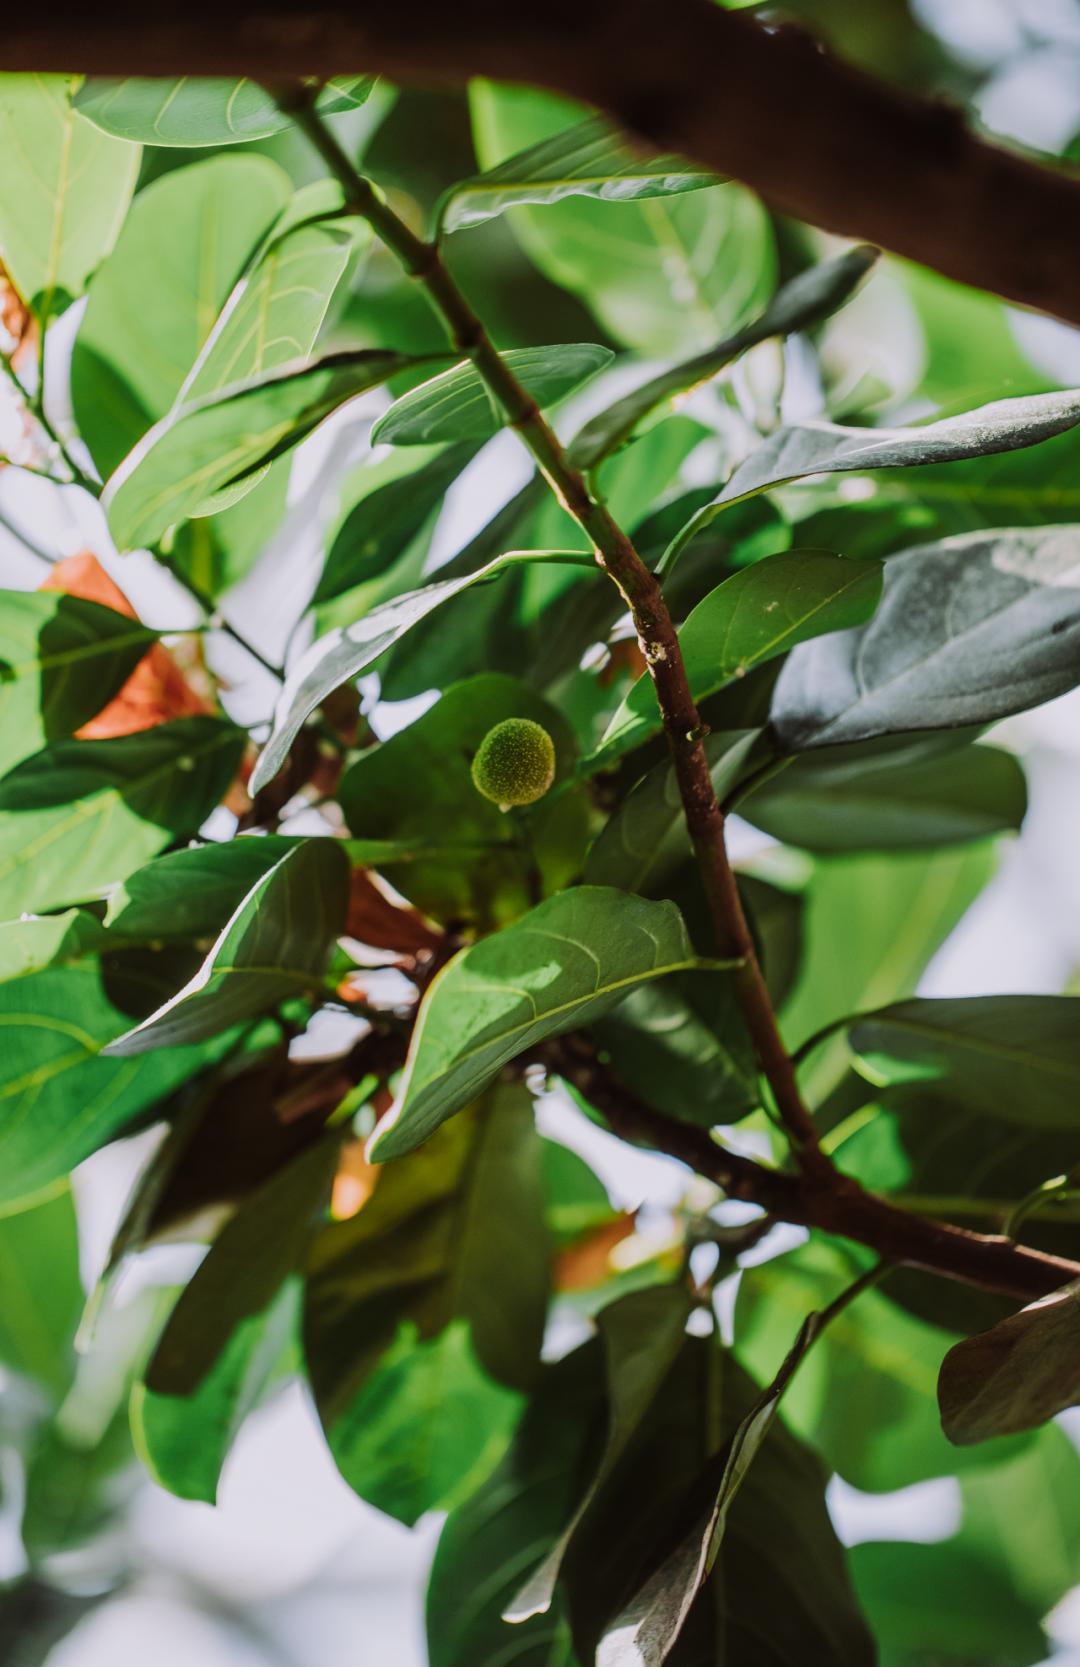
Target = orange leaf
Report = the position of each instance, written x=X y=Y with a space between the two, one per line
x=588 y=1262
x=157 y=689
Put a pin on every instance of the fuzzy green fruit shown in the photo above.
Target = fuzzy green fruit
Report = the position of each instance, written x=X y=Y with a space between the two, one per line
x=514 y=763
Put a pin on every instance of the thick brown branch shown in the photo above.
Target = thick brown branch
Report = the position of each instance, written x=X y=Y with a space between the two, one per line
x=842 y=1207
x=816 y=137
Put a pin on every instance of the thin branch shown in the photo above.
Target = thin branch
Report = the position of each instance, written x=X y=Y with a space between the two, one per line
x=817 y=137
x=642 y=594
x=989 y=1262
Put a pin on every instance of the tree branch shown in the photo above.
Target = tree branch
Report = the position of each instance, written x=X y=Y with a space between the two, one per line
x=641 y=591
x=815 y=136
x=843 y=1207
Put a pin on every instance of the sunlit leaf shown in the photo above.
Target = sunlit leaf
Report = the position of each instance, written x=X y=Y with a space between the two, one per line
x=568 y=961
x=200 y=110
x=457 y=404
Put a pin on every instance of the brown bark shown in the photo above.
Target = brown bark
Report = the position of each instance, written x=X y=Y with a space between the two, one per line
x=815 y=136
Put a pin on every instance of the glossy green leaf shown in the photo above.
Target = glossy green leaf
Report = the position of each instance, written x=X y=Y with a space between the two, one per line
x=776 y=1536
x=243 y=1271
x=65 y=191
x=59 y=1101
x=850 y=805
x=968 y=630
x=642 y=1334
x=190 y=894
x=201 y=448
x=1016 y=1057
x=821 y=448
x=380 y=527
x=683 y=1045
x=865 y=1395
x=664 y=276
x=343 y=654
x=184 y=245
x=456 y=404
x=589 y=160
x=1017 y=1375
x=645 y=839
x=566 y=962
x=33 y=942
x=757 y=614
x=81 y=815
x=275 y=945
x=490 y=1541
x=200 y=110
x=646 y=1630
x=426 y=1310
x=41 y=1294
x=576 y=1201
x=184 y=1440
x=61 y=660
x=799 y=305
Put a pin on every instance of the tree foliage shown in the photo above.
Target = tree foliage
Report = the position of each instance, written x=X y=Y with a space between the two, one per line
x=708 y=591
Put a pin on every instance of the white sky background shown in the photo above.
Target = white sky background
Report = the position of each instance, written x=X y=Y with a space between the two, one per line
x=291 y=1569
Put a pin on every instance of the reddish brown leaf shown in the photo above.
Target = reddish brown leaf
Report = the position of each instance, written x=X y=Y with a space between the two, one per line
x=157 y=689
x=382 y=924
x=588 y=1262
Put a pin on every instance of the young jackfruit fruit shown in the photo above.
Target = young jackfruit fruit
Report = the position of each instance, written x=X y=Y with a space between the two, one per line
x=514 y=763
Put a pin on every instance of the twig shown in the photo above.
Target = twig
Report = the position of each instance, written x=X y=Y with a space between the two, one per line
x=641 y=591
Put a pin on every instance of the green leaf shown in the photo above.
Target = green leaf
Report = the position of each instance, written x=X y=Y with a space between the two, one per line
x=190 y=894
x=425 y=1310
x=849 y=805
x=642 y=1334
x=379 y=529
x=456 y=405
x=683 y=1046
x=80 y=815
x=36 y=941
x=200 y=110
x=490 y=1542
x=41 y=1294
x=1025 y=1517
x=243 y=1271
x=201 y=448
x=646 y=1630
x=646 y=839
x=865 y=1396
x=59 y=1101
x=944 y=1603
x=822 y=448
x=61 y=661
x=805 y=301
x=777 y=1536
x=65 y=191
x=1016 y=1057
x=589 y=160
x=576 y=1200
x=871 y=925
x=755 y=615
x=1015 y=1376
x=918 y=1146
x=183 y=1440
x=664 y=276
x=343 y=654
x=275 y=945
x=420 y=779
x=565 y=963
x=184 y=244
x=968 y=630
